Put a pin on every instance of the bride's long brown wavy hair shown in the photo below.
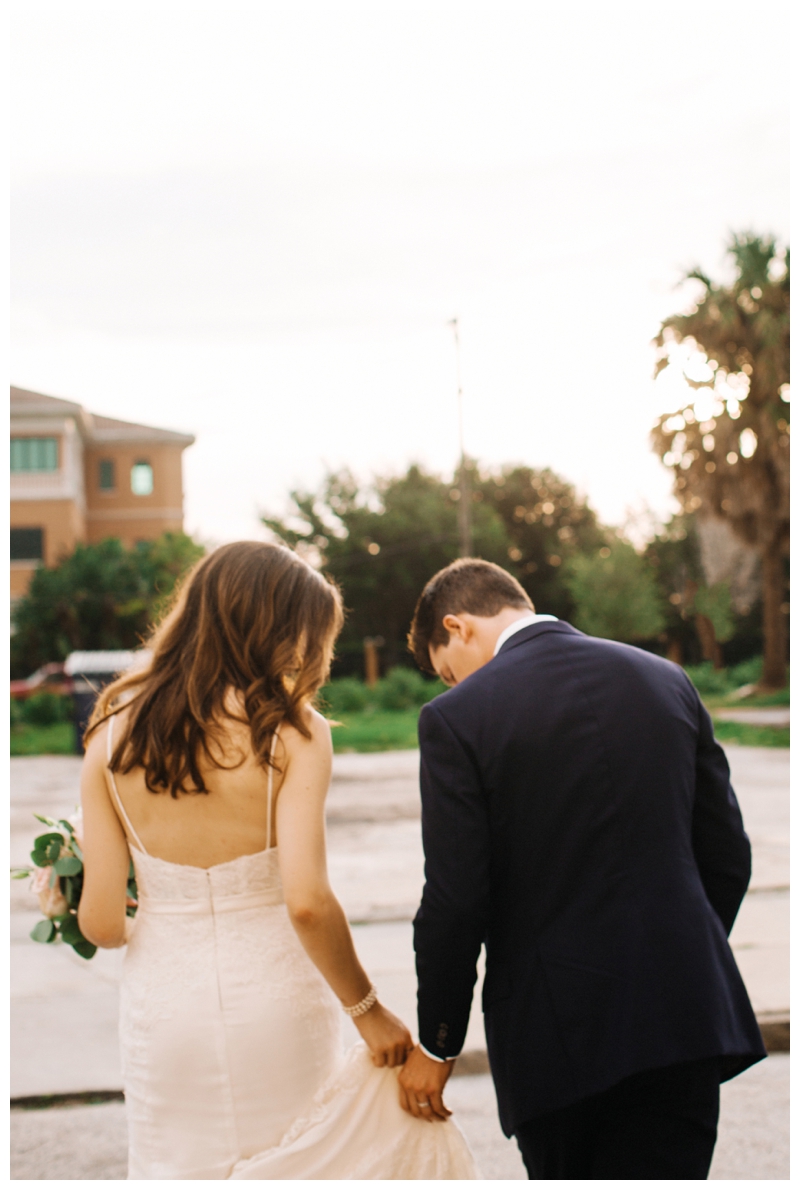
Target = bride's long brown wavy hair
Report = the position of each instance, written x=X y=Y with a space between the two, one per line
x=250 y=617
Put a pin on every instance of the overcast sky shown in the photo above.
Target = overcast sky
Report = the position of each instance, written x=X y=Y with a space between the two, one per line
x=255 y=225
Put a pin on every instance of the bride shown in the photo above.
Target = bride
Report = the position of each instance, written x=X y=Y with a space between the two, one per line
x=210 y=767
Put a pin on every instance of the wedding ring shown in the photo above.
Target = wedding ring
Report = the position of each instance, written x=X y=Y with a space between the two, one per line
x=425 y=1104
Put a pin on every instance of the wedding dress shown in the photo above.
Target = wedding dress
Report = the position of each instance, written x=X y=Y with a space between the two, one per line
x=233 y=1062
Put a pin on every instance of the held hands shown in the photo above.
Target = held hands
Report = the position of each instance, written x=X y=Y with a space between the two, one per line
x=388 y=1039
x=421 y=1085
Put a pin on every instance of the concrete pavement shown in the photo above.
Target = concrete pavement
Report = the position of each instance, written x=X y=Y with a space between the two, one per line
x=89 y=1142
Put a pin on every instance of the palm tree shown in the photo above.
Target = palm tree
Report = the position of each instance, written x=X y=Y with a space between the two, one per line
x=729 y=447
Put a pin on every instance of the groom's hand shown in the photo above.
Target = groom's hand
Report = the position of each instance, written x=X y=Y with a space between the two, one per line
x=421 y=1084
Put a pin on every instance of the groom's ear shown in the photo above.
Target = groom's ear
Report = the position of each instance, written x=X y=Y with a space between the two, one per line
x=457 y=626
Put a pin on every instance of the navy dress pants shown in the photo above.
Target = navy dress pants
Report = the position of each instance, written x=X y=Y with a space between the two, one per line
x=655 y=1124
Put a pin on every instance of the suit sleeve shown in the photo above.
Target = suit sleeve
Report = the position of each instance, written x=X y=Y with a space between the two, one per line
x=451 y=921
x=721 y=847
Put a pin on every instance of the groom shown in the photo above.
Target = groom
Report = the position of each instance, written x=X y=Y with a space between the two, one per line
x=578 y=820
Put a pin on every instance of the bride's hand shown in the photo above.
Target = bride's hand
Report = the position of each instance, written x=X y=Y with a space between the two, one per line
x=388 y=1039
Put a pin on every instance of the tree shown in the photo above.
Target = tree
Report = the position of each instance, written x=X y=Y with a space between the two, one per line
x=729 y=447
x=546 y=523
x=100 y=597
x=615 y=593
x=382 y=543
x=695 y=613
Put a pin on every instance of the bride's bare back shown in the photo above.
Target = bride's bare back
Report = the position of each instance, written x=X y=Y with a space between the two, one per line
x=206 y=829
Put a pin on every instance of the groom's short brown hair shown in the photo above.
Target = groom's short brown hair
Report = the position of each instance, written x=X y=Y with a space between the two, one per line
x=468 y=585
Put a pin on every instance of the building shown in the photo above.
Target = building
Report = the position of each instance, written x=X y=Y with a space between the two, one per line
x=78 y=477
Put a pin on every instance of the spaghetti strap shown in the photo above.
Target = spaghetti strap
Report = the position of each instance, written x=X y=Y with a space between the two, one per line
x=270 y=776
x=122 y=810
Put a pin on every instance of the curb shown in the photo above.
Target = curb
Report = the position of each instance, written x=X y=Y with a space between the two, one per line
x=774 y=1028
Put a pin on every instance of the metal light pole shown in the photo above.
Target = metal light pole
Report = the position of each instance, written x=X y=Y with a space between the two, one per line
x=464 y=506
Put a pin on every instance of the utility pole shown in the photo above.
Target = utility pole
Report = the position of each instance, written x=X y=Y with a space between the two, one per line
x=464 y=506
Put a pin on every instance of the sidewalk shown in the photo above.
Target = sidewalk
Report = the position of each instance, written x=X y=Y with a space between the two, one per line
x=64 y=1010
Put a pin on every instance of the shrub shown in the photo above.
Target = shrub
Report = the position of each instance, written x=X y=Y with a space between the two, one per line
x=44 y=709
x=404 y=688
x=746 y=672
x=708 y=680
x=16 y=712
x=343 y=695
x=725 y=681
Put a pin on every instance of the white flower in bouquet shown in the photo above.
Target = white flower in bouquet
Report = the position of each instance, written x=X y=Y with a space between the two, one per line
x=52 y=901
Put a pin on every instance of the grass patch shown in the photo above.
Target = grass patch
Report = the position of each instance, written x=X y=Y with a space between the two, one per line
x=375 y=731
x=751 y=735
x=56 y=739
x=775 y=698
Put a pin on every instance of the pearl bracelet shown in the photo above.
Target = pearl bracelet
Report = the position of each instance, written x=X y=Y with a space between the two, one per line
x=363 y=1005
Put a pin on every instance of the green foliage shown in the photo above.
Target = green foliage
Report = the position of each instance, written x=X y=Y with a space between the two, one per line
x=377 y=731
x=751 y=736
x=715 y=602
x=343 y=695
x=722 y=682
x=59 y=853
x=546 y=524
x=615 y=593
x=675 y=558
x=746 y=673
x=15 y=710
x=710 y=681
x=44 y=931
x=402 y=689
x=56 y=740
x=100 y=597
x=383 y=543
x=45 y=708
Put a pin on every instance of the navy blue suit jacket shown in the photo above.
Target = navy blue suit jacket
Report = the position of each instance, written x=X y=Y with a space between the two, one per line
x=578 y=820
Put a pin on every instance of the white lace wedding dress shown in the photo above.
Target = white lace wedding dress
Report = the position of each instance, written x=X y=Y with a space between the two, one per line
x=233 y=1063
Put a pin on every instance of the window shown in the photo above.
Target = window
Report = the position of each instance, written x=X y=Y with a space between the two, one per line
x=141 y=479
x=106 y=476
x=27 y=545
x=34 y=454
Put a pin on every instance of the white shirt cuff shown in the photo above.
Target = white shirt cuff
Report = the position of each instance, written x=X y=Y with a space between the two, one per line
x=434 y=1057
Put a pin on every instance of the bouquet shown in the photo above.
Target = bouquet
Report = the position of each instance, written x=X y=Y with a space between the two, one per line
x=58 y=880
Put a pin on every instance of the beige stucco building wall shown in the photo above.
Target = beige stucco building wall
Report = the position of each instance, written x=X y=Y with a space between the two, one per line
x=121 y=513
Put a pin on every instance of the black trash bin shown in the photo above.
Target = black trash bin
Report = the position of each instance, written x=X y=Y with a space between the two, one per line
x=90 y=671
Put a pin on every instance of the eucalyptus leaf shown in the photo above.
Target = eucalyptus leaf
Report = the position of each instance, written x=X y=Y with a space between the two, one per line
x=43 y=931
x=72 y=891
x=70 y=865
x=70 y=930
x=40 y=859
x=42 y=842
x=76 y=848
x=66 y=825
x=85 y=949
x=54 y=849
x=51 y=880
x=47 y=821
x=20 y=873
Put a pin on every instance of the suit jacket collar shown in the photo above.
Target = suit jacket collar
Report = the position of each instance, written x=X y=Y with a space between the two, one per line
x=533 y=630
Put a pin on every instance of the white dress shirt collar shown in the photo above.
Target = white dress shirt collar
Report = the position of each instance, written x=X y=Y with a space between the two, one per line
x=517 y=626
